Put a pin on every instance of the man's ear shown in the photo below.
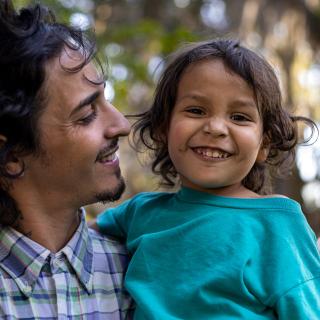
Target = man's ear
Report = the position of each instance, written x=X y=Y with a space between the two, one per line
x=264 y=151
x=3 y=140
x=14 y=166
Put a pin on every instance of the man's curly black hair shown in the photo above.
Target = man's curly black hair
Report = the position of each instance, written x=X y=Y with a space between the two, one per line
x=29 y=39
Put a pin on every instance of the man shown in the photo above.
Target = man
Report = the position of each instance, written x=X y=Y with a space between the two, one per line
x=58 y=143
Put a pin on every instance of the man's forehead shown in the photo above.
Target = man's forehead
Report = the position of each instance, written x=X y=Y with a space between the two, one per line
x=67 y=64
x=70 y=58
x=65 y=88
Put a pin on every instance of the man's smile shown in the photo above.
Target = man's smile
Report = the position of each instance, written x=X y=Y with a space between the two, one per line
x=108 y=154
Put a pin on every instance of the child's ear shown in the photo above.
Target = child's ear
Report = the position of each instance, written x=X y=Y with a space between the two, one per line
x=264 y=151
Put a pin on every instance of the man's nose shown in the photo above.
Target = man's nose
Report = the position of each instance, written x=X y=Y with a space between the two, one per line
x=116 y=123
x=216 y=126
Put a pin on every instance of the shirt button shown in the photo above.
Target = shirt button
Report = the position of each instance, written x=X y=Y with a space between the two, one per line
x=27 y=289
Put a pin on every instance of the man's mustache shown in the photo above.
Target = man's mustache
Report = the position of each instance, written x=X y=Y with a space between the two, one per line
x=113 y=145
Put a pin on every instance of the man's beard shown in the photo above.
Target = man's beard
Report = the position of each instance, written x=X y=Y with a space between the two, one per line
x=112 y=195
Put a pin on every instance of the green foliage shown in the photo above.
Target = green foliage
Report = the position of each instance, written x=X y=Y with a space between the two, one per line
x=142 y=30
x=140 y=41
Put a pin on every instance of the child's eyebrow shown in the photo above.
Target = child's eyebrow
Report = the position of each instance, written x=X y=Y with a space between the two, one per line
x=240 y=102
x=244 y=103
x=194 y=96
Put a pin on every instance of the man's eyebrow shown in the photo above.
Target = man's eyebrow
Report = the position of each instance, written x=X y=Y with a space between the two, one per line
x=86 y=101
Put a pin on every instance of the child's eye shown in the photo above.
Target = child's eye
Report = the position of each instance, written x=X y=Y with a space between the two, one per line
x=195 y=111
x=240 y=117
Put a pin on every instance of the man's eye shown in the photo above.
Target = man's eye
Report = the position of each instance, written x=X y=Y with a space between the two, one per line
x=88 y=119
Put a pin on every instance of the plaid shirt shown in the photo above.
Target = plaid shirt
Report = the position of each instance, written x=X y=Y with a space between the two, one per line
x=84 y=280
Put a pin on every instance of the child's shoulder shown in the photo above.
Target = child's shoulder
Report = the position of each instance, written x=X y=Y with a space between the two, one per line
x=274 y=196
x=144 y=197
x=246 y=193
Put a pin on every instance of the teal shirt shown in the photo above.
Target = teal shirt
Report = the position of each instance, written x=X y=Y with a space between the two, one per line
x=197 y=256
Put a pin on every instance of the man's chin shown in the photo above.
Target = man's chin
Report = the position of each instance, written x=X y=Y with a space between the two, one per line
x=112 y=195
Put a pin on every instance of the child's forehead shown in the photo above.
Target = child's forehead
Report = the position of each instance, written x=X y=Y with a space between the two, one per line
x=220 y=66
x=216 y=68
x=202 y=79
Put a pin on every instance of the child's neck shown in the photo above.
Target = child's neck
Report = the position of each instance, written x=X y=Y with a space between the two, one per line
x=229 y=191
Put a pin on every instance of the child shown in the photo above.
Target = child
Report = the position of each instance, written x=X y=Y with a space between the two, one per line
x=219 y=248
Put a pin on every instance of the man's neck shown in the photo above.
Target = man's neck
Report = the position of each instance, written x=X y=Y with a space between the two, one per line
x=52 y=232
x=46 y=219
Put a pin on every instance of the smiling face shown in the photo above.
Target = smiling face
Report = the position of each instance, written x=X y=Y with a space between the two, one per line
x=215 y=132
x=79 y=133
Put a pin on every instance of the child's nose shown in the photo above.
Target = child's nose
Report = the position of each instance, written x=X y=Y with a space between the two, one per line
x=216 y=126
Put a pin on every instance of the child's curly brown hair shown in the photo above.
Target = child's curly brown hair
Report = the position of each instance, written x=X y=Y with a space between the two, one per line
x=279 y=127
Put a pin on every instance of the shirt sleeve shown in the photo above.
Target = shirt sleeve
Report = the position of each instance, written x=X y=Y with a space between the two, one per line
x=301 y=302
x=284 y=268
x=114 y=221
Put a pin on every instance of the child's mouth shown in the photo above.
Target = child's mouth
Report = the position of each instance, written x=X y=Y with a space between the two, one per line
x=212 y=153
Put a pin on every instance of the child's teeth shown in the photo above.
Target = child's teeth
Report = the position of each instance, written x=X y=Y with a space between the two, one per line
x=212 y=153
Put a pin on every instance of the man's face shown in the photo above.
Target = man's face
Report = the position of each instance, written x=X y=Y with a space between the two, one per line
x=79 y=133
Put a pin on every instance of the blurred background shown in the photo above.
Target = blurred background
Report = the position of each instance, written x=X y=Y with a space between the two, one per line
x=135 y=36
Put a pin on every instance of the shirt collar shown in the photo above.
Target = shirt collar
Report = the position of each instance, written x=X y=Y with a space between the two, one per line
x=79 y=252
x=23 y=259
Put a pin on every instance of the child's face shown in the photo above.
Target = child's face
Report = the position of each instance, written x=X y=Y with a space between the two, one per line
x=215 y=133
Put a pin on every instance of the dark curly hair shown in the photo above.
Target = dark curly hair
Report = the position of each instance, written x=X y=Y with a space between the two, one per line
x=29 y=39
x=279 y=127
